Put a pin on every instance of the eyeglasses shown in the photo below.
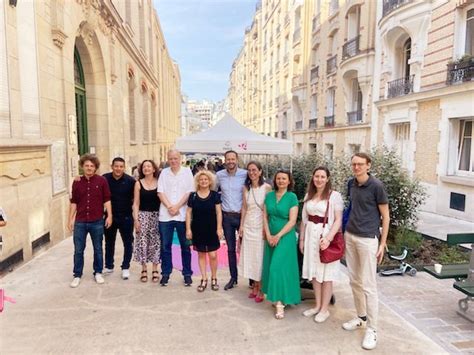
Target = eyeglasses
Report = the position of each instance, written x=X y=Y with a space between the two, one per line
x=357 y=164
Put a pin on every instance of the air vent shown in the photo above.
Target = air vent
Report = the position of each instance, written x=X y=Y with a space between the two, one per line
x=11 y=260
x=38 y=243
x=457 y=202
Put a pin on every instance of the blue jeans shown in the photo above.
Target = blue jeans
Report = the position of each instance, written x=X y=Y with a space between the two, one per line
x=166 y=234
x=124 y=224
x=96 y=231
x=231 y=224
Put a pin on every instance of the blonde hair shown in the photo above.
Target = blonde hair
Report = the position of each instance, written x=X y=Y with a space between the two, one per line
x=210 y=176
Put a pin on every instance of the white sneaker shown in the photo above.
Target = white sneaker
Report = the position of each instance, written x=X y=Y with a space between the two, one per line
x=99 y=278
x=354 y=324
x=370 y=339
x=75 y=282
x=311 y=312
x=125 y=274
x=321 y=317
x=107 y=271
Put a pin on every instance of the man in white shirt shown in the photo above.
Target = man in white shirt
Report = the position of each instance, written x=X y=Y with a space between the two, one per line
x=174 y=186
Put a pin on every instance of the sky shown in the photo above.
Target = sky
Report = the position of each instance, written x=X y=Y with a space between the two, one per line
x=204 y=37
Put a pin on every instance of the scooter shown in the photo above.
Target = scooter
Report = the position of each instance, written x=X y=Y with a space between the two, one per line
x=404 y=267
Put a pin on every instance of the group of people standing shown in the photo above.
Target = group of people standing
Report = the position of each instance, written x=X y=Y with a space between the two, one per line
x=238 y=205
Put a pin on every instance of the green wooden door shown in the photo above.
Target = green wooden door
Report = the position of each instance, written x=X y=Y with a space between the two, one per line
x=81 y=108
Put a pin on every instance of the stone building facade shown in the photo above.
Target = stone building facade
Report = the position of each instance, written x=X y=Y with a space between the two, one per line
x=424 y=96
x=76 y=76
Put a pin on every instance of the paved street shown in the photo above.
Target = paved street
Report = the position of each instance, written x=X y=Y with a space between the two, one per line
x=128 y=316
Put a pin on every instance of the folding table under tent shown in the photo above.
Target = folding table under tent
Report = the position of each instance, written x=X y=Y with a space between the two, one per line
x=229 y=134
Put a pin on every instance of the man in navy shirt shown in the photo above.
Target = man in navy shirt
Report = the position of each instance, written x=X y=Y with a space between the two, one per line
x=121 y=189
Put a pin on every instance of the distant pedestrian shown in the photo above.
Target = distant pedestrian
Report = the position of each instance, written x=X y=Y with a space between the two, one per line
x=90 y=195
x=251 y=227
x=316 y=233
x=231 y=181
x=204 y=225
x=174 y=186
x=121 y=187
x=280 y=275
x=146 y=207
x=363 y=249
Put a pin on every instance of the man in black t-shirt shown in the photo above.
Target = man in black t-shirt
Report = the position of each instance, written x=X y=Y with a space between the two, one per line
x=121 y=188
x=363 y=248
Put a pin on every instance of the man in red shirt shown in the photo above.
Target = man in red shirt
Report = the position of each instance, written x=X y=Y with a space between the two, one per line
x=86 y=215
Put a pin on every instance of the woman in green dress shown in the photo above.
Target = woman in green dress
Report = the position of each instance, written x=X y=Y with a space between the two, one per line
x=280 y=275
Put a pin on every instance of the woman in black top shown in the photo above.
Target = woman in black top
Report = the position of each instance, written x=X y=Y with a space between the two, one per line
x=146 y=206
x=204 y=225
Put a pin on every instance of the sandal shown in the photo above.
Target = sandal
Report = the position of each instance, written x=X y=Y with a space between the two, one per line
x=144 y=277
x=280 y=311
x=214 y=285
x=202 y=286
x=155 y=278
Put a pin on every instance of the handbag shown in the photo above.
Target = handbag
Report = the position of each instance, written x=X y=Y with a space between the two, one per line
x=335 y=250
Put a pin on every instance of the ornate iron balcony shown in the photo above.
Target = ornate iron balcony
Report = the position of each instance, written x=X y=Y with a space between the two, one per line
x=351 y=48
x=354 y=117
x=391 y=5
x=400 y=87
x=331 y=64
x=460 y=72
x=329 y=121
x=313 y=123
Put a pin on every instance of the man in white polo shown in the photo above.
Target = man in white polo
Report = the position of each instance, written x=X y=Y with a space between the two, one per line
x=174 y=186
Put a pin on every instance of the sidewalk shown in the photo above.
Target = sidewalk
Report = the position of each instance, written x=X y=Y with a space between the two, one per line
x=437 y=226
x=129 y=316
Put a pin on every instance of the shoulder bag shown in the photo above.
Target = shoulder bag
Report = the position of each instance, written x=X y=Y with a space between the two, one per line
x=335 y=250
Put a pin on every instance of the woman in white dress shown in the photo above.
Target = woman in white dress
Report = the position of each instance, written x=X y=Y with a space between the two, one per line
x=251 y=227
x=313 y=238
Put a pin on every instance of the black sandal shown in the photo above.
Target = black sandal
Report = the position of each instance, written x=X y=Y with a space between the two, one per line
x=144 y=277
x=202 y=286
x=214 y=285
x=155 y=278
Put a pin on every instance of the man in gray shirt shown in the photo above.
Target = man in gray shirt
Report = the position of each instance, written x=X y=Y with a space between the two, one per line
x=363 y=248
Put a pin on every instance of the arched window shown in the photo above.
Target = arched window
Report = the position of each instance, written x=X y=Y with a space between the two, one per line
x=406 y=58
x=81 y=108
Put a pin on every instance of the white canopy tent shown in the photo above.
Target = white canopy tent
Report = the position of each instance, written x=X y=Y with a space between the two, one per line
x=228 y=134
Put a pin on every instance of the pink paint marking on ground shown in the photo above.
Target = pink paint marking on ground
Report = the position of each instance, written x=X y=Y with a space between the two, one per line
x=178 y=265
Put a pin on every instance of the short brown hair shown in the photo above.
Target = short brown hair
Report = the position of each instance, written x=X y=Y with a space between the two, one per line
x=89 y=157
x=365 y=156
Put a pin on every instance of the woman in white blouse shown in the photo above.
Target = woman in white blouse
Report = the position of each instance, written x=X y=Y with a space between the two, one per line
x=316 y=235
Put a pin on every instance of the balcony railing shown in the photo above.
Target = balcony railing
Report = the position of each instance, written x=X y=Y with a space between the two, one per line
x=316 y=22
x=329 y=121
x=460 y=72
x=313 y=123
x=354 y=117
x=314 y=74
x=400 y=87
x=297 y=35
x=350 y=48
x=331 y=64
x=299 y=125
x=391 y=5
